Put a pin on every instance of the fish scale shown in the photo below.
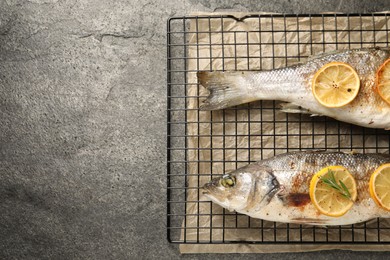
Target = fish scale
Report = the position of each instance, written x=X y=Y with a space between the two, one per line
x=361 y=167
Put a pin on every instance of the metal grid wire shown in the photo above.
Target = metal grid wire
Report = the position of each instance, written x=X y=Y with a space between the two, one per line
x=299 y=132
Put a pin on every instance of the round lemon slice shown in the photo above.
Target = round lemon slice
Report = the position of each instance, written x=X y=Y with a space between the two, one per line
x=328 y=200
x=335 y=84
x=382 y=81
x=380 y=186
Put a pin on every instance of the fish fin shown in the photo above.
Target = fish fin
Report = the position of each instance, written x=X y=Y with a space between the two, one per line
x=226 y=89
x=309 y=221
x=292 y=108
x=328 y=53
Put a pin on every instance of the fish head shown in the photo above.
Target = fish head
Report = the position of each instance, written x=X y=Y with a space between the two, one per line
x=240 y=189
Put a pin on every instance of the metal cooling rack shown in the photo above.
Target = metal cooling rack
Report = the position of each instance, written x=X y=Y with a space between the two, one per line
x=296 y=126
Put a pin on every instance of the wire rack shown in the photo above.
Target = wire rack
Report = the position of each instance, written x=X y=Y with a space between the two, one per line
x=240 y=135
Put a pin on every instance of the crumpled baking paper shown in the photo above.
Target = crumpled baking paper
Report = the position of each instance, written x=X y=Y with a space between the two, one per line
x=221 y=141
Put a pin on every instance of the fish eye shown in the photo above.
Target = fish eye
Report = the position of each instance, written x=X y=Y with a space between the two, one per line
x=228 y=181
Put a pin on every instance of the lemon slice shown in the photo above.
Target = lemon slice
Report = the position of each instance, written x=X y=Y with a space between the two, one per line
x=328 y=200
x=380 y=186
x=382 y=81
x=335 y=84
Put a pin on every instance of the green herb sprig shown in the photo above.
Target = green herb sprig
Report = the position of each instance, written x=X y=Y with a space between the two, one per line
x=340 y=187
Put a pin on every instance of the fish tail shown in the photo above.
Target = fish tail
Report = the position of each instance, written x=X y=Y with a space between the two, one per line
x=226 y=89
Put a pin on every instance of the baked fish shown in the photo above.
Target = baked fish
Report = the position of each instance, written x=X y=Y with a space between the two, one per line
x=293 y=85
x=277 y=189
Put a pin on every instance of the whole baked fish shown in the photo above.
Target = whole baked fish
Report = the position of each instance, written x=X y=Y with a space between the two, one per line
x=277 y=189
x=293 y=85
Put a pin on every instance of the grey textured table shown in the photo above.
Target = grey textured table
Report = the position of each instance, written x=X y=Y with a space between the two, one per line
x=82 y=163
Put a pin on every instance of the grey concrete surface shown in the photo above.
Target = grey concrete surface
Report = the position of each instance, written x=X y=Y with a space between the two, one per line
x=82 y=130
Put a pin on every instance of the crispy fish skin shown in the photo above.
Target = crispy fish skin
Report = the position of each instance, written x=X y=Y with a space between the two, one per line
x=277 y=189
x=293 y=85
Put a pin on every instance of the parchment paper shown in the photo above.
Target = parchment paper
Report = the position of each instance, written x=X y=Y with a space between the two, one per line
x=251 y=135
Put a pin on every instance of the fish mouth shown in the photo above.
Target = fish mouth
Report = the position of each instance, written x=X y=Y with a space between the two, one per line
x=212 y=184
x=206 y=188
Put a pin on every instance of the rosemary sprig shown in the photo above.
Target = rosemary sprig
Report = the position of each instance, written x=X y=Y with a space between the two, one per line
x=341 y=188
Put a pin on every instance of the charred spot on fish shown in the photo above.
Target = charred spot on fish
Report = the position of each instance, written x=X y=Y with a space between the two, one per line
x=349 y=90
x=298 y=199
x=371 y=122
x=300 y=181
